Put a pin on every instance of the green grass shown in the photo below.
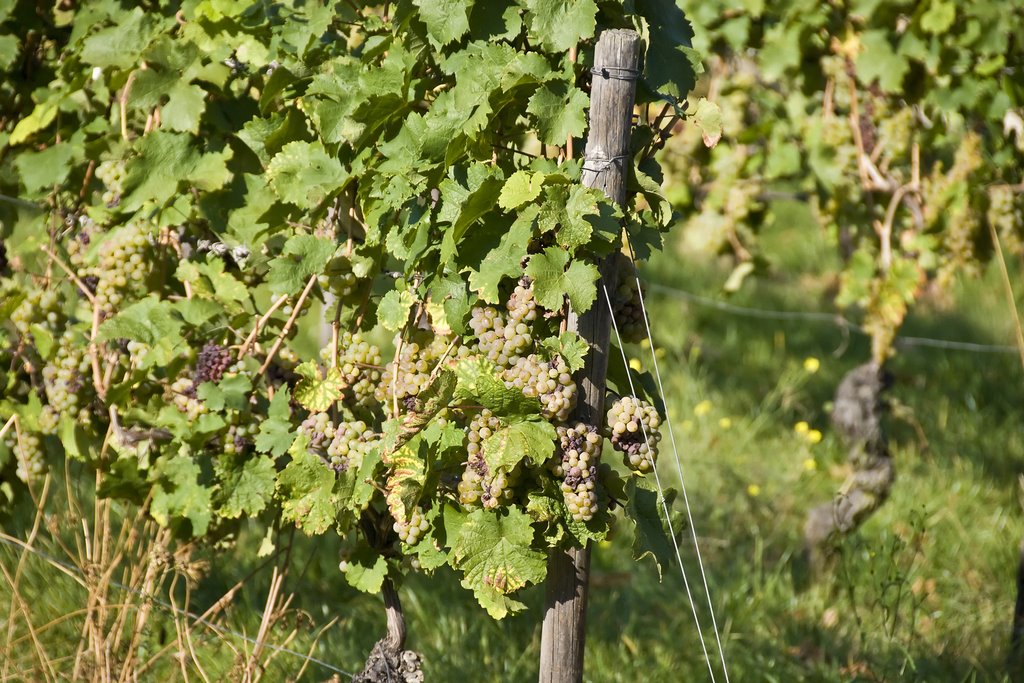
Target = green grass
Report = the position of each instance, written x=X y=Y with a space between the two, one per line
x=923 y=592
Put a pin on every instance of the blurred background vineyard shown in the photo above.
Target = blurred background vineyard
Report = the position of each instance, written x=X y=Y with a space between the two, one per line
x=865 y=195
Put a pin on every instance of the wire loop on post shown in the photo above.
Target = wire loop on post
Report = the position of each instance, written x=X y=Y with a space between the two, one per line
x=602 y=164
x=618 y=73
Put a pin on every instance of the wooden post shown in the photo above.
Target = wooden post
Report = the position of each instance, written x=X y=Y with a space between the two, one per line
x=605 y=167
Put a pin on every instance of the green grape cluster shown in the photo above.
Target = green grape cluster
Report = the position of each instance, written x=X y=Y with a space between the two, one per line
x=123 y=267
x=411 y=530
x=182 y=394
x=28 y=452
x=627 y=307
x=112 y=174
x=633 y=424
x=350 y=444
x=478 y=486
x=319 y=430
x=547 y=380
x=63 y=380
x=360 y=363
x=498 y=338
x=414 y=367
x=40 y=307
x=239 y=438
x=578 y=455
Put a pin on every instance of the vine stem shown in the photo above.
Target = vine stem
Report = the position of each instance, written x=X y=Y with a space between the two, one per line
x=288 y=325
x=1008 y=286
x=251 y=339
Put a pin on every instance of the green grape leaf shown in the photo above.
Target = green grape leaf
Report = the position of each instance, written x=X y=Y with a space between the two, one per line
x=478 y=383
x=247 y=487
x=651 y=535
x=446 y=20
x=494 y=551
x=505 y=260
x=406 y=475
x=879 y=61
x=570 y=346
x=562 y=24
x=393 y=309
x=276 y=432
x=305 y=488
x=303 y=174
x=520 y=188
x=150 y=321
x=939 y=17
x=560 y=110
x=163 y=160
x=317 y=391
x=178 y=495
x=671 y=65
x=302 y=257
x=45 y=169
x=42 y=115
x=231 y=392
x=184 y=108
x=532 y=440
x=552 y=281
x=121 y=45
x=366 y=570
x=707 y=116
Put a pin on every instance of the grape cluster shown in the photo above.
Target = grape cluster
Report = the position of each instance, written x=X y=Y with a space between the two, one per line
x=504 y=337
x=579 y=451
x=411 y=530
x=320 y=430
x=549 y=381
x=633 y=424
x=478 y=485
x=360 y=364
x=28 y=451
x=112 y=175
x=239 y=439
x=415 y=364
x=212 y=362
x=122 y=268
x=350 y=444
x=182 y=393
x=627 y=307
x=40 y=307
x=63 y=381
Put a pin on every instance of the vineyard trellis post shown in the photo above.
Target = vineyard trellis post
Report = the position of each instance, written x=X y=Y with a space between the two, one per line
x=605 y=167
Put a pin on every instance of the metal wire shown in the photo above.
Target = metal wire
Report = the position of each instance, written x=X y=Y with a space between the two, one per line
x=661 y=491
x=830 y=318
x=171 y=608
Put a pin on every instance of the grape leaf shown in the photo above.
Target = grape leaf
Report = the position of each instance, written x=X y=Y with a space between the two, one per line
x=184 y=108
x=43 y=170
x=479 y=383
x=446 y=20
x=559 y=108
x=305 y=488
x=366 y=570
x=708 y=118
x=317 y=391
x=562 y=24
x=520 y=188
x=177 y=494
x=552 y=281
x=302 y=256
x=527 y=439
x=495 y=554
x=393 y=309
x=570 y=346
x=302 y=173
x=276 y=432
x=651 y=535
x=247 y=488
x=505 y=260
x=232 y=391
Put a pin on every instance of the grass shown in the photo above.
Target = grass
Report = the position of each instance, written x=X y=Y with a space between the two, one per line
x=923 y=592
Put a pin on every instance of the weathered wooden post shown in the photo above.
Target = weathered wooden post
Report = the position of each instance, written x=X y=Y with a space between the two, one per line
x=605 y=167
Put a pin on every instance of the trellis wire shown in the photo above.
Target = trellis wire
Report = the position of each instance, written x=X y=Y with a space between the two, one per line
x=830 y=318
x=675 y=454
x=176 y=610
x=661 y=491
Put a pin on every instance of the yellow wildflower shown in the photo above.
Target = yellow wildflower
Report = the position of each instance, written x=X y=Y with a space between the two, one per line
x=810 y=464
x=702 y=408
x=635 y=364
x=725 y=423
x=645 y=343
x=814 y=436
x=801 y=427
x=687 y=426
x=753 y=490
x=811 y=364
x=659 y=353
